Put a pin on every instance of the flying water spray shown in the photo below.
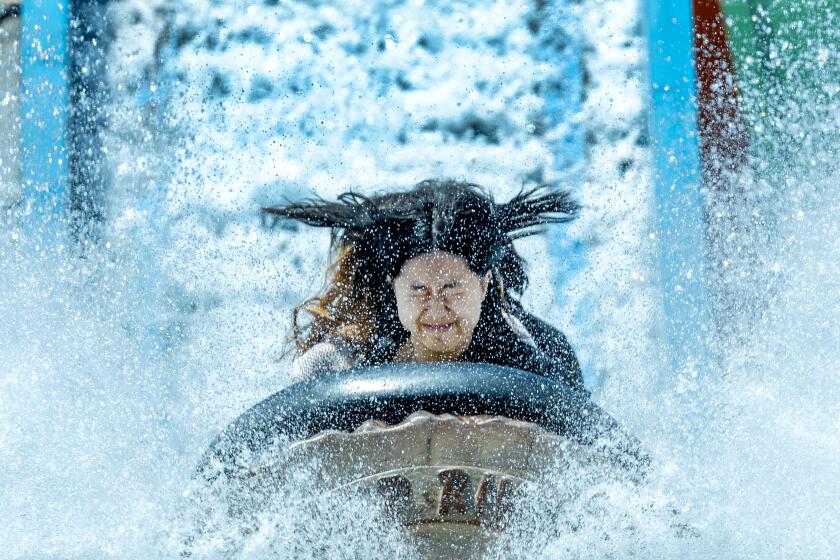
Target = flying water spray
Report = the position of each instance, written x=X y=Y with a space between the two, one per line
x=132 y=339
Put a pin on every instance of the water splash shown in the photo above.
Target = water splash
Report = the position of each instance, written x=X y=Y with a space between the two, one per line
x=118 y=368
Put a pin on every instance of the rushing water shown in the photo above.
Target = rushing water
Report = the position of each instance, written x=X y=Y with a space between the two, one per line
x=122 y=359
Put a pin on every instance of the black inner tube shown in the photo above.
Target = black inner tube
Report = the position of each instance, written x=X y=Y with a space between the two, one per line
x=390 y=393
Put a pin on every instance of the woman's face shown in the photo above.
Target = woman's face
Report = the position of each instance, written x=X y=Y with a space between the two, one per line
x=439 y=303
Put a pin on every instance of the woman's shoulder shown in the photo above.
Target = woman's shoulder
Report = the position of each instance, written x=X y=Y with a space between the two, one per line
x=332 y=354
x=554 y=347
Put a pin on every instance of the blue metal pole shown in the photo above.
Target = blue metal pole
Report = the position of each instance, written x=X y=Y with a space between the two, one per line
x=559 y=44
x=46 y=99
x=681 y=226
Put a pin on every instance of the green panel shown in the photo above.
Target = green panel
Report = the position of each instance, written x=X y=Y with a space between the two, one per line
x=788 y=73
x=740 y=32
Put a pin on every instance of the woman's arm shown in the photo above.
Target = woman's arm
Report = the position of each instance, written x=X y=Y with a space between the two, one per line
x=335 y=354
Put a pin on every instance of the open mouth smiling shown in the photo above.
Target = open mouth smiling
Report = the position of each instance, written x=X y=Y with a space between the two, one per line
x=440 y=328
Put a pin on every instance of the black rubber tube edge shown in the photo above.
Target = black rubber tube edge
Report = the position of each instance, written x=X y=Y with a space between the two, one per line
x=390 y=393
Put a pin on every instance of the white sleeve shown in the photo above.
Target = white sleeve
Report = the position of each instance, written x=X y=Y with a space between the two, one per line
x=332 y=355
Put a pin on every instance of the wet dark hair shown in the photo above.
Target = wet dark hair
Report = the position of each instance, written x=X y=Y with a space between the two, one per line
x=376 y=235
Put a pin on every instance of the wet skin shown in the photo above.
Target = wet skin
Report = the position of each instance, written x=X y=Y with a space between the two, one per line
x=439 y=303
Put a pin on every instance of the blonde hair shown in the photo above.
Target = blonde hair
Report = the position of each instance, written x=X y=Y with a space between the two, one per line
x=338 y=311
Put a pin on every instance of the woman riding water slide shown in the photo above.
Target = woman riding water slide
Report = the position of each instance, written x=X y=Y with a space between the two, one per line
x=430 y=275
x=423 y=278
